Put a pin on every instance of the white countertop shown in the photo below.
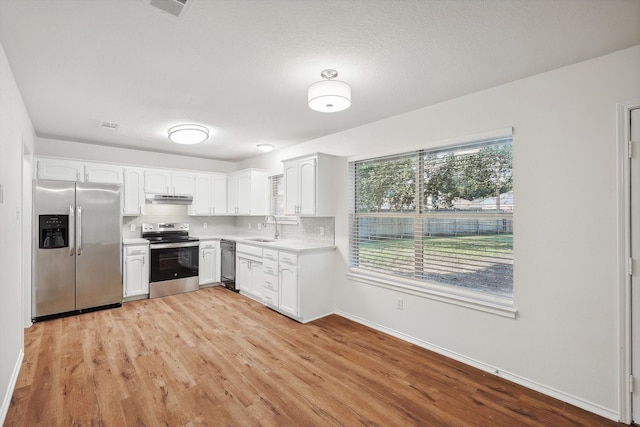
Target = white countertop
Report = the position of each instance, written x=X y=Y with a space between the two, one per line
x=285 y=244
x=134 y=241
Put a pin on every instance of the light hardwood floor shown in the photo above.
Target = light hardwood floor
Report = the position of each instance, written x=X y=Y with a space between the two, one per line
x=215 y=358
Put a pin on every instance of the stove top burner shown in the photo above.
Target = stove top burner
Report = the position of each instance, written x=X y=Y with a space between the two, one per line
x=167 y=232
x=171 y=239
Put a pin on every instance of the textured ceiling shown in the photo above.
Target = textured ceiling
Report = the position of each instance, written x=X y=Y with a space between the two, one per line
x=242 y=67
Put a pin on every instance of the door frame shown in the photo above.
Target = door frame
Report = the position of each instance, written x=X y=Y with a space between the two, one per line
x=624 y=254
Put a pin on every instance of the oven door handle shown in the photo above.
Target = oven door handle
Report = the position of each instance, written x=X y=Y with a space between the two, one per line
x=173 y=245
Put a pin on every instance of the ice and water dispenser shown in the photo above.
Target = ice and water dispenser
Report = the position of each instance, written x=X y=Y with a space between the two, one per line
x=54 y=231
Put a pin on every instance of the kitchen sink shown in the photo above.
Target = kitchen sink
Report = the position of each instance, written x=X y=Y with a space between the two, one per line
x=258 y=239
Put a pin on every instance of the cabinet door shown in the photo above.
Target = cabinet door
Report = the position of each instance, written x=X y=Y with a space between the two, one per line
x=244 y=194
x=307 y=190
x=232 y=194
x=219 y=194
x=61 y=170
x=103 y=173
x=182 y=183
x=207 y=269
x=157 y=181
x=133 y=191
x=243 y=274
x=290 y=188
x=136 y=273
x=257 y=279
x=289 y=289
x=202 y=203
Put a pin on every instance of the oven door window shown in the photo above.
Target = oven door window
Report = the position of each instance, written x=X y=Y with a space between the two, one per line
x=173 y=263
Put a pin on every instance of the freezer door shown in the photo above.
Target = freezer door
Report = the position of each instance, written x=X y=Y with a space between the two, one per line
x=53 y=269
x=98 y=245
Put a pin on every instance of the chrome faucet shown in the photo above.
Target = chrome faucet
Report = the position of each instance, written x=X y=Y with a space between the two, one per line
x=277 y=234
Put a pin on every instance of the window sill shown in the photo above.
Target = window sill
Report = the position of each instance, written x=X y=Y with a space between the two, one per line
x=488 y=303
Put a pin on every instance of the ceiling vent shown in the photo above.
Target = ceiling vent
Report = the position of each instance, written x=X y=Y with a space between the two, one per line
x=109 y=125
x=176 y=8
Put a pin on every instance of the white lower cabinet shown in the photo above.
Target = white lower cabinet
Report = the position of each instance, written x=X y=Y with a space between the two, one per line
x=136 y=271
x=289 y=290
x=297 y=284
x=270 y=280
x=249 y=276
x=209 y=266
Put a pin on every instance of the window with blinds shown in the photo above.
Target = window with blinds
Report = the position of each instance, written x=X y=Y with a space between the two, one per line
x=276 y=194
x=443 y=216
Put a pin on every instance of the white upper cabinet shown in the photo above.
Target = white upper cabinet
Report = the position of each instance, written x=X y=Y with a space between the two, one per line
x=202 y=195
x=182 y=183
x=133 y=201
x=103 y=173
x=247 y=192
x=219 y=187
x=308 y=183
x=157 y=181
x=209 y=195
x=59 y=169
x=160 y=181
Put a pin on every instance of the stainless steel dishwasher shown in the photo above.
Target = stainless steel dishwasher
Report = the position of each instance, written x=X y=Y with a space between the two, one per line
x=228 y=264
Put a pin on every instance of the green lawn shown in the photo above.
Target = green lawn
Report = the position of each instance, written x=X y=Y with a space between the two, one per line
x=482 y=261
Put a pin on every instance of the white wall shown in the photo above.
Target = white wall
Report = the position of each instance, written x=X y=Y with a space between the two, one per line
x=103 y=153
x=564 y=340
x=15 y=127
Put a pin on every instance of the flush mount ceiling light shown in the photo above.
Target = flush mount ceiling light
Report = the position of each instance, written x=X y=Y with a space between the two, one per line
x=329 y=96
x=266 y=147
x=188 y=134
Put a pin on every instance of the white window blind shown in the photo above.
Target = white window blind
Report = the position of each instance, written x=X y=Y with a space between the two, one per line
x=276 y=194
x=441 y=216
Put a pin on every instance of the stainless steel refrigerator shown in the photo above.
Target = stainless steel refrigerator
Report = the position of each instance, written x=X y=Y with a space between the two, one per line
x=76 y=247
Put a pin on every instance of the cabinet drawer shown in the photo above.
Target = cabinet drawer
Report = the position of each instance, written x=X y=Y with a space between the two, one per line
x=270 y=267
x=249 y=250
x=208 y=244
x=288 y=258
x=270 y=297
x=270 y=254
x=270 y=283
x=136 y=250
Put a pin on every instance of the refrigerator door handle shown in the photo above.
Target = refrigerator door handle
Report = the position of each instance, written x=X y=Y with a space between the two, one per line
x=79 y=231
x=71 y=231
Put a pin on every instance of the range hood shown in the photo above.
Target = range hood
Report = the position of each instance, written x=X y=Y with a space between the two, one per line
x=168 y=199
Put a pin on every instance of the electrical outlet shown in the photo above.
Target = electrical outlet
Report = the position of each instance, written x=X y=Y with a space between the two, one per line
x=259 y=226
x=204 y=225
x=399 y=303
x=132 y=227
x=322 y=231
x=249 y=226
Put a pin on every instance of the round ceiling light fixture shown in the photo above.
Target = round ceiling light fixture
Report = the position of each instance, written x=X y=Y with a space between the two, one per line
x=329 y=96
x=188 y=134
x=266 y=147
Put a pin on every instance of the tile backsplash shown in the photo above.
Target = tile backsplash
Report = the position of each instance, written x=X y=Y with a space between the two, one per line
x=317 y=229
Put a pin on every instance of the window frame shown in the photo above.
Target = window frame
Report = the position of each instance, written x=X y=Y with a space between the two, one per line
x=465 y=297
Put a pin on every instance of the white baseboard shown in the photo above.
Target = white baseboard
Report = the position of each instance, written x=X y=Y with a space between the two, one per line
x=549 y=391
x=12 y=385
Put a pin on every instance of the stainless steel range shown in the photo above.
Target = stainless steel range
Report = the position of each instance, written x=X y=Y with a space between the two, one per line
x=174 y=258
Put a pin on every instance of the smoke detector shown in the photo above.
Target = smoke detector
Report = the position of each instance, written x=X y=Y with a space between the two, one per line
x=175 y=8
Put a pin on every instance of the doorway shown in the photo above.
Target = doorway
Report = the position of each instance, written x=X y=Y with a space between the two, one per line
x=633 y=131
